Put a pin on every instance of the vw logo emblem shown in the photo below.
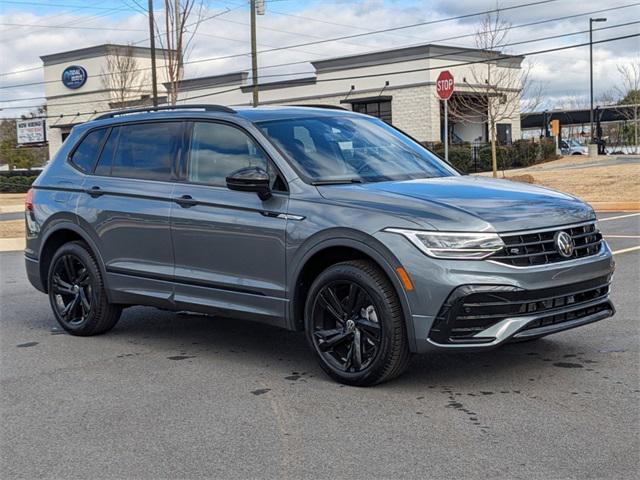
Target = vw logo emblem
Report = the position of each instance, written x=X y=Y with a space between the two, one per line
x=564 y=244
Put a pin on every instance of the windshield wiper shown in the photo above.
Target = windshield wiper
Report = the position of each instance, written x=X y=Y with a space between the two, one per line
x=337 y=182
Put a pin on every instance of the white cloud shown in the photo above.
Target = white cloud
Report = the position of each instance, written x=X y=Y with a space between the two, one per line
x=564 y=74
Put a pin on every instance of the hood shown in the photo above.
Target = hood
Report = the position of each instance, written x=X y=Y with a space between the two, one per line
x=467 y=203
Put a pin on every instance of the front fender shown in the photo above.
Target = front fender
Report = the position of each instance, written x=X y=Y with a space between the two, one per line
x=360 y=241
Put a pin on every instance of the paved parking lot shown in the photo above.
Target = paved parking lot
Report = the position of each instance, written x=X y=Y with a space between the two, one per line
x=188 y=396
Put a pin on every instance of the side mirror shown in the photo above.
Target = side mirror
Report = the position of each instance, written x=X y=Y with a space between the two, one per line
x=250 y=179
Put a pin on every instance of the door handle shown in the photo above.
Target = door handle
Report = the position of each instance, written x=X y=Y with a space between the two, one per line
x=185 y=201
x=94 y=191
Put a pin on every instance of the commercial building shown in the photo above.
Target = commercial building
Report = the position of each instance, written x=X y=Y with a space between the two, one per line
x=81 y=83
x=397 y=85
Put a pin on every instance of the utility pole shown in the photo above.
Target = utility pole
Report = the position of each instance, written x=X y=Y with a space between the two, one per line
x=257 y=8
x=152 y=38
x=591 y=22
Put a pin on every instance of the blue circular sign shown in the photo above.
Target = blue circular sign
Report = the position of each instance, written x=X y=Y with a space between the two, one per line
x=74 y=77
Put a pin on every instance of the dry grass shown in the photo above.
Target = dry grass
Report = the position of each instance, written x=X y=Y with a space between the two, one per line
x=12 y=228
x=617 y=183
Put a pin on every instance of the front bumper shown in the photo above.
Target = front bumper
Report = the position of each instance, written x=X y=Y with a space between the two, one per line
x=486 y=316
x=435 y=282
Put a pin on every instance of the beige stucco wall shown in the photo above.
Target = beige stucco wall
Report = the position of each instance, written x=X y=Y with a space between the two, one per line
x=93 y=96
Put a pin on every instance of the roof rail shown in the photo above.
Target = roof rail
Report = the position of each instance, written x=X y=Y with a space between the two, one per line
x=208 y=108
x=319 y=105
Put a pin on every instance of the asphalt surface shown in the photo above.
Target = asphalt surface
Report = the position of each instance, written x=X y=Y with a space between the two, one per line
x=169 y=395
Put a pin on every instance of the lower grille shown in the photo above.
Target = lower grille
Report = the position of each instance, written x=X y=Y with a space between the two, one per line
x=567 y=316
x=539 y=248
x=472 y=309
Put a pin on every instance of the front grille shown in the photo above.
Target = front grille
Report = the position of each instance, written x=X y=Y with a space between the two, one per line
x=470 y=310
x=539 y=248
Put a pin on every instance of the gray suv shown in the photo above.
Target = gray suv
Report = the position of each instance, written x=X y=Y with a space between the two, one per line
x=312 y=219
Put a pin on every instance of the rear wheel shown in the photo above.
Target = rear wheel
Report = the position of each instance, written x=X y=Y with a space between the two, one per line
x=77 y=294
x=354 y=323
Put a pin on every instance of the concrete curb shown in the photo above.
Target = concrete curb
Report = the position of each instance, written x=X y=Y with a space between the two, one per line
x=11 y=208
x=12 y=244
x=616 y=206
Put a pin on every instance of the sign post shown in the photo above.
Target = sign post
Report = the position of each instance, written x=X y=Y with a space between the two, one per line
x=444 y=89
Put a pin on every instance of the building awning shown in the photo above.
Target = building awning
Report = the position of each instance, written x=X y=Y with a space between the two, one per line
x=380 y=98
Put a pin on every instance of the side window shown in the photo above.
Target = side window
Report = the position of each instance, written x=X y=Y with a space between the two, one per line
x=217 y=150
x=103 y=167
x=145 y=150
x=86 y=154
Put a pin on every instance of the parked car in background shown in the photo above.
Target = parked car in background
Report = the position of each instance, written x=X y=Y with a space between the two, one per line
x=312 y=219
x=573 y=147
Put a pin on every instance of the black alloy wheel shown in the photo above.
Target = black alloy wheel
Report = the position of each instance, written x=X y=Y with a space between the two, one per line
x=72 y=290
x=77 y=294
x=346 y=331
x=354 y=323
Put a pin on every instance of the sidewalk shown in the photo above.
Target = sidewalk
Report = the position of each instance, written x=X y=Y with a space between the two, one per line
x=11 y=202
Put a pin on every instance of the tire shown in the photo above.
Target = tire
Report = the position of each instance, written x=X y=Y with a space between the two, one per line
x=76 y=292
x=355 y=325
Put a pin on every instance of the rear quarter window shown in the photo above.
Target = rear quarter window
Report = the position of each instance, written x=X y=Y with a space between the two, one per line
x=87 y=152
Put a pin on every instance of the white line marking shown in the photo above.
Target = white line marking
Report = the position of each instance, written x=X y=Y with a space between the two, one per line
x=625 y=250
x=621 y=236
x=619 y=216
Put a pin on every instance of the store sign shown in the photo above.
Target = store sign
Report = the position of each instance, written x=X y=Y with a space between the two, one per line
x=74 y=77
x=31 y=131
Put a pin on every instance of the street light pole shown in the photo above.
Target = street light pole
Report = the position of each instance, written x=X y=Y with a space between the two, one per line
x=591 y=22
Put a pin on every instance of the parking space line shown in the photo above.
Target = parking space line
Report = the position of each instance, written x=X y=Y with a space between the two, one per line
x=626 y=250
x=621 y=236
x=617 y=217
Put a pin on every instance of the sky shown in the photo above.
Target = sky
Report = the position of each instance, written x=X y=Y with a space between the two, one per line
x=31 y=28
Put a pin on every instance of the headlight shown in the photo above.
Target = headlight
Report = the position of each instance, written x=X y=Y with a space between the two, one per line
x=453 y=245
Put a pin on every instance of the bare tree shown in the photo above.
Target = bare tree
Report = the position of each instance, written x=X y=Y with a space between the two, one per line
x=122 y=77
x=629 y=91
x=176 y=39
x=492 y=90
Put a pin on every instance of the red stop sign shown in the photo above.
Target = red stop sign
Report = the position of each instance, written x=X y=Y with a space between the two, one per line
x=444 y=85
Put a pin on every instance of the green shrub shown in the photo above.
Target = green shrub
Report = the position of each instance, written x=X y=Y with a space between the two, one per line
x=520 y=154
x=16 y=183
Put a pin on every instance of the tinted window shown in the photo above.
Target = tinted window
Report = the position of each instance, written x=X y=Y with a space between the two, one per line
x=87 y=152
x=218 y=150
x=103 y=167
x=143 y=151
x=353 y=149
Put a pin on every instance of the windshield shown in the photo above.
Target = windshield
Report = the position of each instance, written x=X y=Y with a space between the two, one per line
x=352 y=149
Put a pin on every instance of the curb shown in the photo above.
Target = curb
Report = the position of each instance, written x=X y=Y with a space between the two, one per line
x=616 y=206
x=11 y=208
x=12 y=244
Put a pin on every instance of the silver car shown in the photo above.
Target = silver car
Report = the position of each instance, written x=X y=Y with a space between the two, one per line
x=573 y=147
x=312 y=219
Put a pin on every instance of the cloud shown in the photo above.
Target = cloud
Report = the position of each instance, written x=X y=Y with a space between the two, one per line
x=564 y=74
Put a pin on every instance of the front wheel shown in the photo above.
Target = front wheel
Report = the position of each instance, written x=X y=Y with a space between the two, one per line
x=77 y=294
x=354 y=323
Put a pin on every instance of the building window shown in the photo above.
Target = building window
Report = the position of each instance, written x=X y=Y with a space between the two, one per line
x=380 y=108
